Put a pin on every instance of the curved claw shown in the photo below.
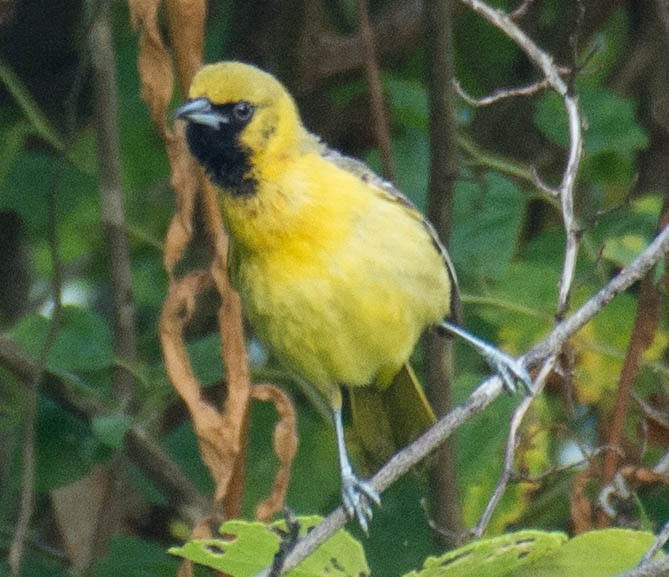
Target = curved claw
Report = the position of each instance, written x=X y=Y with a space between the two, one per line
x=511 y=370
x=357 y=497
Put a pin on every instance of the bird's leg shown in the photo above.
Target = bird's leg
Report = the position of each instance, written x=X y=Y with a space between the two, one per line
x=508 y=368
x=357 y=494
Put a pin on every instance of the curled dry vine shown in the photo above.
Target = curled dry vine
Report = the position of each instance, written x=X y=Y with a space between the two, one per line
x=221 y=431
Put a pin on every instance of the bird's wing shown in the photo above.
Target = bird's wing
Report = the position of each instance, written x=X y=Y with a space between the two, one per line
x=388 y=191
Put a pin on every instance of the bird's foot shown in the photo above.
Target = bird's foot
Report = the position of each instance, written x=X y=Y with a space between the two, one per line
x=511 y=370
x=357 y=497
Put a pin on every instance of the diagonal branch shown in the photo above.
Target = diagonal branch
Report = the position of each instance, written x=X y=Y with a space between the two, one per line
x=485 y=394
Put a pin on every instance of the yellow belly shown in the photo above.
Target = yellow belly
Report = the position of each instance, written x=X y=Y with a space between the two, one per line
x=339 y=286
x=346 y=316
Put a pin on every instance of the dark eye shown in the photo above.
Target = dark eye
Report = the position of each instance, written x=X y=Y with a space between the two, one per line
x=243 y=111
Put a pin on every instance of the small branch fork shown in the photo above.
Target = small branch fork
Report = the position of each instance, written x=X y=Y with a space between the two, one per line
x=553 y=77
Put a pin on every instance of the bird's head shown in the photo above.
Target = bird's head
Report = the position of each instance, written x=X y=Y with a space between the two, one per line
x=240 y=119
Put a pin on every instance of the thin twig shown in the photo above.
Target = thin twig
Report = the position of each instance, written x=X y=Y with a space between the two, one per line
x=553 y=76
x=646 y=323
x=34 y=378
x=519 y=12
x=485 y=394
x=111 y=195
x=502 y=93
x=379 y=119
x=512 y=445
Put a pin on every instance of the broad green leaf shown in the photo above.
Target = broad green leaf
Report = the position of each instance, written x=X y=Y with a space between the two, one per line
x=13 y=138
x=521 y=305
x=486 y=225
x=26 y=190
x=411 y=154
x=541 y=554
x=625 y=232
x=611 y=121
x=409 y=99
x=110 y=429
x=82 y=343
x=250 y=546
x=594 y=554
x=37 y=565
x=133 y=557
x=601 y=346
x=66 y=450
x=205 y=356
x=496 y=557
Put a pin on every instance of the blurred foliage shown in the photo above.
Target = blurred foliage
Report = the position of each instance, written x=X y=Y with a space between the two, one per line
x=507 y=245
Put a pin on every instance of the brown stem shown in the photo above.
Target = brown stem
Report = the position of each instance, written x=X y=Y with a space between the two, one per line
x=437 y=18
x=111 y=197
x=326 y=54
x=32 y=377
x=645 y=326
x=140 y=448
x=379 y=119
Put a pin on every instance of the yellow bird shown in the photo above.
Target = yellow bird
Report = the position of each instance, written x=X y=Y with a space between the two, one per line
x=338 y=273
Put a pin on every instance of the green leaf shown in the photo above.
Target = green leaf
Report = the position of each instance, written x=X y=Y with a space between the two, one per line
x=26 y=190
x=205 y=356
x=409 y=99
x=110 y=429
x=593 y=554
x=66 y=450
x=133 y=557
x=37 y=564
x=611 y=121
x=496 y=557
x=411 y=153
x=487 y=219
x=625 y=232
x=29 y=107
x=249 y=546
x=543 y=554
x=13 y=139
x=83 y=341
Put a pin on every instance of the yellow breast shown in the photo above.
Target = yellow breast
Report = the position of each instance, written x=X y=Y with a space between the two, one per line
x=338 y=280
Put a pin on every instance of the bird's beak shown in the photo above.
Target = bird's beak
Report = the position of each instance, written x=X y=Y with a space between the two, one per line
x=201 y=111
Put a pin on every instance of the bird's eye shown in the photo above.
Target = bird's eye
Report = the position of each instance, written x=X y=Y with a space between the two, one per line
x=243 y=111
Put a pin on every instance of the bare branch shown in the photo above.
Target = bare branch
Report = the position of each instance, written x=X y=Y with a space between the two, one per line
x=553 y=76
x=485 y=394
x=502 y=93
x=111 y=195
x=511 y=446
x=519 y=12
x=379 y=118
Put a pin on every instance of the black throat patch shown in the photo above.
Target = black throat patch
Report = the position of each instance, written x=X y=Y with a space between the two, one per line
x=225 y=159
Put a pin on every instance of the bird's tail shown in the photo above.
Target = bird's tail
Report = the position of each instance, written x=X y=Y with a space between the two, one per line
x=384 y=420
